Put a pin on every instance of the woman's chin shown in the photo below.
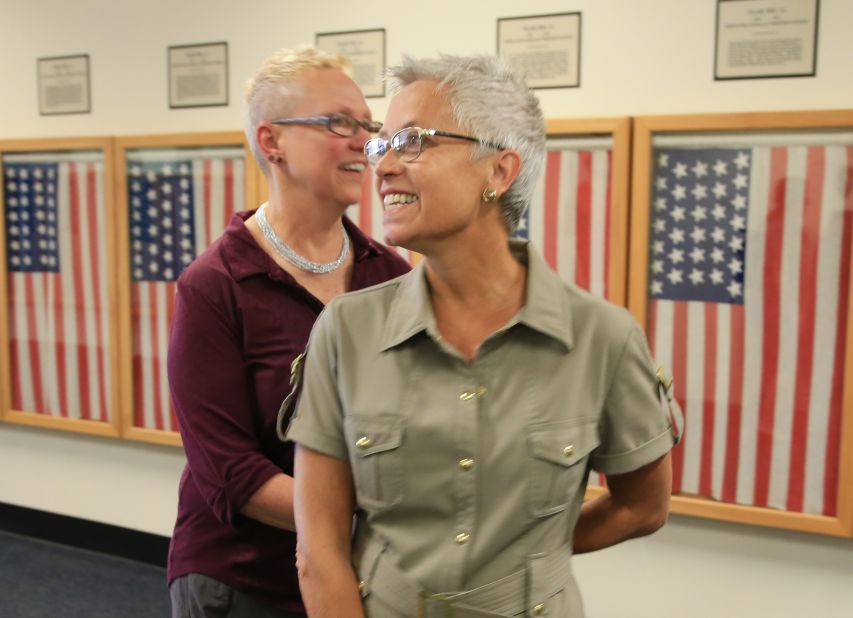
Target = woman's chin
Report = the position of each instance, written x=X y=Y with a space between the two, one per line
x=401 y=241
x=392 y=240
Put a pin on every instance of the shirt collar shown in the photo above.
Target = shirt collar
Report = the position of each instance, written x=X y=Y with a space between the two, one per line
x=246 y=258
x=546 y=308
x=411 y=310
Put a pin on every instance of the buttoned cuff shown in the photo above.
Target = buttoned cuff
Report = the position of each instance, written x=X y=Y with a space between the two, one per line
x=316 y=441
x=620 y=463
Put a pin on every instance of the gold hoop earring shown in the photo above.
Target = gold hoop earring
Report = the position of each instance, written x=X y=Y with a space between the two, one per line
x=490 y=195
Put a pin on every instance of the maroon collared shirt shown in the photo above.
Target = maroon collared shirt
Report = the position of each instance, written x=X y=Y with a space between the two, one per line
x=239 y=321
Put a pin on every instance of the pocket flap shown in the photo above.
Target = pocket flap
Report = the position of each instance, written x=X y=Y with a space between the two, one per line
x=563 y=443
x=370 y=436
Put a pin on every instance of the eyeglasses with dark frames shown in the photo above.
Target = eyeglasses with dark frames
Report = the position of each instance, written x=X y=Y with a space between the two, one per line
x=408 y=143
x=339 y=124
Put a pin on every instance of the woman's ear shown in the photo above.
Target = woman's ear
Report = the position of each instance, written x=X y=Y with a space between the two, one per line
x=505 y=169
x=268 y=143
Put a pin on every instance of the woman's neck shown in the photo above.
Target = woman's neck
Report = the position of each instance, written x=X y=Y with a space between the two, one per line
x=311 y=228
x=475 y=289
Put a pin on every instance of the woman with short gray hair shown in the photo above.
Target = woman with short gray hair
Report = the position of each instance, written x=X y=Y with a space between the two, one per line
x=492 y=101
x=457 y=411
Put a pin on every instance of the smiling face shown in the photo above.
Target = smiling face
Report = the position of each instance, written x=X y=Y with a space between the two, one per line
x=436 y=197
x=318 y=164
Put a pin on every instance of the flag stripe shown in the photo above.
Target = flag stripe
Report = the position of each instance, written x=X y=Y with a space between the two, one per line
x=552 y=199
x=761 y=187
x=827 y=324
x=95 y=292
x=36 y=397
x=154 y=314
x=208 y=189
x=80 y=388
x=735 y=370
x=170 y=305
x=709 y=392
x=608 y=222
x=598 y=244
x=679 y=367
x=583 y=235
x=564 y=233
x=47 y=339
x=805 y=346
x=770 y=353
x=228 y=199
x=789 y=313
x=719 y=397
x=218 y=197
x=14 y=351
x=652 y=332
x=833 y=437
x=68 y=195
x=139 y=408
x=165 y=299
x=694 y=354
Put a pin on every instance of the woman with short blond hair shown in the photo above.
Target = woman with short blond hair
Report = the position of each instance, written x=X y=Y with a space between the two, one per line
x=243 y=312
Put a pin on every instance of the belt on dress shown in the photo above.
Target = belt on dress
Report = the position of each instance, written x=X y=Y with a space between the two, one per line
x=525 y=591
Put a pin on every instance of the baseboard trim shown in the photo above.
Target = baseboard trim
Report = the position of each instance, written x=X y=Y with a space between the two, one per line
x=85 y=534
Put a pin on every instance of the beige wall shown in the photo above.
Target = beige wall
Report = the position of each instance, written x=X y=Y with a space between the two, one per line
x=639 y=57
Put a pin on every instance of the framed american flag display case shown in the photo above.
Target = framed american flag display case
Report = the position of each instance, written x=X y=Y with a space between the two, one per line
x=175 y=195
x=58 y=296
x=741 y=231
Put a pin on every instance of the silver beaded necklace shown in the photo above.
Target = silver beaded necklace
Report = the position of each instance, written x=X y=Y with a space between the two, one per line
x=294 y=258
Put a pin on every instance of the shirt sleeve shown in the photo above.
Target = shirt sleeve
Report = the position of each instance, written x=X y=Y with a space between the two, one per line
x=638 y=424
x=212 y=394
x=318 y=420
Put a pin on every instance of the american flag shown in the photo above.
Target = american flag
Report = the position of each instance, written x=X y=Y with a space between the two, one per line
x=56 y=238
x=570 y=215
x=179 y=203
x=749 y=268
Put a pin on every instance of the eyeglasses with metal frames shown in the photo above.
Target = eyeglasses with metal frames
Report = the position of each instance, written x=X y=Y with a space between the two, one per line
x=408 y=143
x=339 y=124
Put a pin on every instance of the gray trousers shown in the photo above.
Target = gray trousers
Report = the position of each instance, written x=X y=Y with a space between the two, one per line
x=199 y=596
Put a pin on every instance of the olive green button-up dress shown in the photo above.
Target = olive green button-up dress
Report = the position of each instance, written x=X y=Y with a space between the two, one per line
x=466 y=469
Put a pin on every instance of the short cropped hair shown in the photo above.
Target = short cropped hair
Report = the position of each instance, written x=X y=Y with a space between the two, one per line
x=272 y=91
x=490 y=100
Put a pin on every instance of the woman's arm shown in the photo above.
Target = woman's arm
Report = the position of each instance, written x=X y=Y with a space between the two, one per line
x=272 y=503
x=636 y=504
x=324 y=506
x=212 y=392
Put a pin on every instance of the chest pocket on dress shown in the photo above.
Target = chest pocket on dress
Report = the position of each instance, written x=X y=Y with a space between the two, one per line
x=557 y=454
x=374 y=449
